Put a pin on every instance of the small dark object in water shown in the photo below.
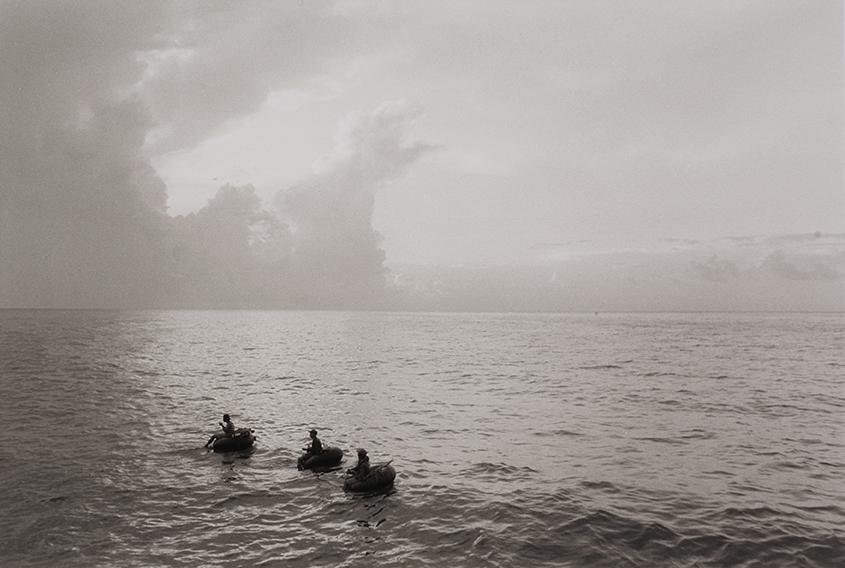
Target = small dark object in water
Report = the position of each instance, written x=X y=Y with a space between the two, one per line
x=329 y=457
x=381 y=476
x=243 y=439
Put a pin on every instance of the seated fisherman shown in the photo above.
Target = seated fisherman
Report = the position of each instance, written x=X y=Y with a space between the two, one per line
x=316 y=446
x=362 y=468
x=228 y=430
x=228 y=426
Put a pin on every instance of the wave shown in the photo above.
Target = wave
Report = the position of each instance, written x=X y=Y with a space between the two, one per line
x=488 y=470
x=661 y=440
x=558 y=432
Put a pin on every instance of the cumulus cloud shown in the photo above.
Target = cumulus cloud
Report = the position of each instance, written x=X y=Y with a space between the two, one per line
x=89 y=90
x=230 y=253
x=80 y=205
x=336 y=248
x=317 y=248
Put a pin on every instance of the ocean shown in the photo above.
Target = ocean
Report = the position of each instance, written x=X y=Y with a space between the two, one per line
x=683 y=440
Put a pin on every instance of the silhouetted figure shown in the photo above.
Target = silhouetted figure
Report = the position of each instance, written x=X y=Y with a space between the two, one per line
x=316 y=446
x=228 y=430
x=362 y=468
x=227 y=425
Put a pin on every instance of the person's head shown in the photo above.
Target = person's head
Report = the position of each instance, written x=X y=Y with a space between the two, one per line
x=313 y=433
x=226 y=418
x=362 y=453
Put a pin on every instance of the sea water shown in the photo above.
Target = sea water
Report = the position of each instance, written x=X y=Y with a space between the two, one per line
x=518 y=439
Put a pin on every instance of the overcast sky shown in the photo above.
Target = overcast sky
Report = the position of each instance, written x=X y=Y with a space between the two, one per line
x=584 y=155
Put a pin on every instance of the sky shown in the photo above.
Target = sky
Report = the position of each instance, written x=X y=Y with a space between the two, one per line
x=432 y=155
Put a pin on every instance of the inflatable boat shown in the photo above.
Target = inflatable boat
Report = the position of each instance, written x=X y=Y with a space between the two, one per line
x=381 y=476
x=243 y=439
x=330 y=457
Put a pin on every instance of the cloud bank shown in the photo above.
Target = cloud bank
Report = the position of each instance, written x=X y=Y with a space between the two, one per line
x=81 y=219
x=803 y=272
x=89 y=92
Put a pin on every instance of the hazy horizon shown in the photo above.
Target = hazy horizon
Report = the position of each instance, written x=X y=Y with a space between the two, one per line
x=418 y=311
x=423 y=156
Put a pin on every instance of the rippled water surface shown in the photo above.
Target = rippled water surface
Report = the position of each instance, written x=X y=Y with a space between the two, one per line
x=519 y=440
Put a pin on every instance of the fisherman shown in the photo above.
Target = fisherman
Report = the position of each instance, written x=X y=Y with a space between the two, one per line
x=316 y=446
x=228 y=426
x=228 y=430
x=362 y=468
